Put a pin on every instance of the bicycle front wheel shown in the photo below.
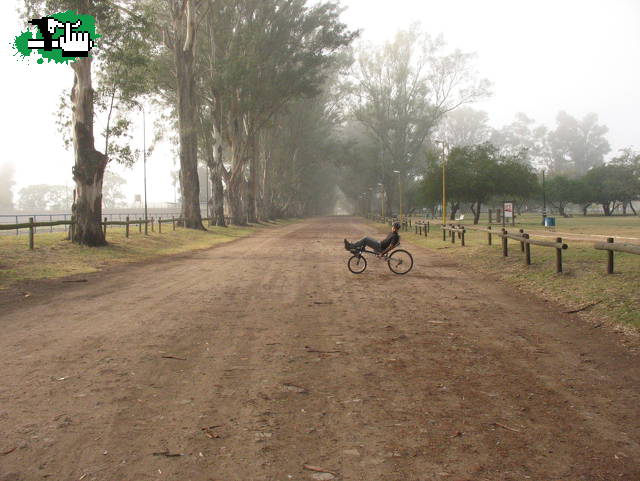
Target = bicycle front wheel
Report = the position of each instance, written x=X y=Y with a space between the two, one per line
x=357 y=264
x=400 y=262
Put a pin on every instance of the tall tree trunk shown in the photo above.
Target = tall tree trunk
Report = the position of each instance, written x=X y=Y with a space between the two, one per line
x=90 y=164
x=606 y=207
x=454 y=210
x=184 y=46
x=236 y=207
x=632 y=208
x=252 y=187
x=476 y=212
x=213 y=152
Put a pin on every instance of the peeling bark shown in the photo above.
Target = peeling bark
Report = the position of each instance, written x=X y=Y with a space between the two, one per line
x=90 y=164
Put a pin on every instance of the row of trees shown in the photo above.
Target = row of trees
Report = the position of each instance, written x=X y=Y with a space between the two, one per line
x=610 y=186
x=39 y=197
x=247 y=85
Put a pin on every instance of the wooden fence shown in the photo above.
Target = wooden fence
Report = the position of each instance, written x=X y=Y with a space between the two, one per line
x=522 y=237
x=610 y=246
x=127 y=223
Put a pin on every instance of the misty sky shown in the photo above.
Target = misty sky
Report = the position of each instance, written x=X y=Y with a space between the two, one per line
x=542 y=56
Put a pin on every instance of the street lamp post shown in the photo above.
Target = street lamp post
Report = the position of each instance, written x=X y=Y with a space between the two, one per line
x=144 y=157
x=544 y=199
x=444 y=183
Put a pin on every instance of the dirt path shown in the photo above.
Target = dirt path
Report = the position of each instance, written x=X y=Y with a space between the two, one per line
x=288 y=359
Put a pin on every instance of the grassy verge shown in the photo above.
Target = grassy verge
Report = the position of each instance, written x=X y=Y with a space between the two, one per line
x=583 y=282
x=54 y=256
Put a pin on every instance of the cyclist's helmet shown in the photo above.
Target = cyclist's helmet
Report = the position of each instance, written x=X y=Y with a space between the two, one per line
x=397 y=225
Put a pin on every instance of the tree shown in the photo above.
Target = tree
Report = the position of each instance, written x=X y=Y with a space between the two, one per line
x=112 y=195
x=403 y=89
x=577 y=145
x=7 y=172
x=263 y=56
x=560 y=191
x=523 y=135
x=631 y=159
x=117 y=23
x=37 y=198
x=464 y=127
x=612 y=185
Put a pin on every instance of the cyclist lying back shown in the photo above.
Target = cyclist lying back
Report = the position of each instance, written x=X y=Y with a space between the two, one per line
x=380 y=247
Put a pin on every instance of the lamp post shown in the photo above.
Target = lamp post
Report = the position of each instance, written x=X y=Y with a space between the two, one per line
x=401 y=213
x=144 y=157
x=444 y=183
x=544 y=199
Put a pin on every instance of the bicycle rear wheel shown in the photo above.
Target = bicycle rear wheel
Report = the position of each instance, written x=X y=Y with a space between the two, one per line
x=400 y=262
x=357 y=264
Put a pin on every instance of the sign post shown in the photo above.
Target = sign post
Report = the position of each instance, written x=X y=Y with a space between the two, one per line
x=508 y=213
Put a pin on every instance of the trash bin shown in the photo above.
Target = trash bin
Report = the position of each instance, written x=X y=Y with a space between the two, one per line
x=550 y=222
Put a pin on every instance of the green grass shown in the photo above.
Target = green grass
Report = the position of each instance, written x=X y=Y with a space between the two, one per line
x=54 y=256
x=583 y=281
x=628 y=226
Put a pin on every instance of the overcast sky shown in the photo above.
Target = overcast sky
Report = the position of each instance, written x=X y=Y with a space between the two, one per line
x=542 y=56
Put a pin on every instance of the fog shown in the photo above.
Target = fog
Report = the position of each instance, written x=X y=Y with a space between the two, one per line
x=541 y=57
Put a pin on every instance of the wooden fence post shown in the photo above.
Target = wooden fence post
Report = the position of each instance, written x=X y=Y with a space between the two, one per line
x=126 y=228
x=140 y=226
x=104 y=228
x=72 y=228
x=463 y=231
x=153 y=227
x=610 y=257
x=527 y=251
x=489 y=235
x=505 y=243
x=444 y=234
x=490 y=217
x=522 y=243
x=173 y=221
x=453 y=235
x=31 y=232
x=159 y=225
x=559 y=256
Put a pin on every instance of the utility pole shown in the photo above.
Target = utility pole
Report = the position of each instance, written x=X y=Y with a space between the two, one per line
x=544 y=198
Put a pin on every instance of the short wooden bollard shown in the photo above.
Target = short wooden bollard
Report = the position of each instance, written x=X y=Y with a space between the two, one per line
x=527 y=251
x=104 y=228
x=444 y=234
x=453 y=236
x=159 y=225
x=505 y=243
x=173 y=221
x=559 y=256
x=462 y=238
x=610 y=257
x=31 y=232
x=126 y=229
x=416 y=230
x=489 y=235
x=522 y=243
x=153 y=228
x=72 y=228
x=140 y=225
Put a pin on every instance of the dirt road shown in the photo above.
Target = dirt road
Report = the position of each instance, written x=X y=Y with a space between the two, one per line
x=248 y=361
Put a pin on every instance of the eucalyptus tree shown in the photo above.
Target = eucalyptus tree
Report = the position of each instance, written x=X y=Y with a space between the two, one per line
x=265 y=54
x=122 y=36
x=577 y=145
x=402 y=89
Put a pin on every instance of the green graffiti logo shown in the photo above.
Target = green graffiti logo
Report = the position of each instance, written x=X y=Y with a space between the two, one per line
x=61 y=38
